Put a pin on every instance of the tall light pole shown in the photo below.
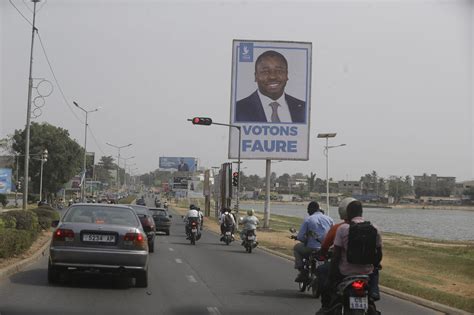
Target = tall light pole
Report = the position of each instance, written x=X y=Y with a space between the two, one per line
x=125 y=169
x=44 y=158
x=28 y=111
x=118 y=160
x=326 y=153
x=83 y=186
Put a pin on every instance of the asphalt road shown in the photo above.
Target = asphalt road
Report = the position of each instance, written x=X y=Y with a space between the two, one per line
x=208 y=278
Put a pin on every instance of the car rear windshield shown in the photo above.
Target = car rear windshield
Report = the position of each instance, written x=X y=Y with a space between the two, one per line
x=101 y=215
x=160 y=213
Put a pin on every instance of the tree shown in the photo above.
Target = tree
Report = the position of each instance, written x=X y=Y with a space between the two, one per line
x=102 y=169
x=65 y=156
x=312 y=182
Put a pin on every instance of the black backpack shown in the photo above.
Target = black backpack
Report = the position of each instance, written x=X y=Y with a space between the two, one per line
x=228 y=220
x=361 y=248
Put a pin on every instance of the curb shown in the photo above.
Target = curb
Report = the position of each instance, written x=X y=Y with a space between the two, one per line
x=20 y=265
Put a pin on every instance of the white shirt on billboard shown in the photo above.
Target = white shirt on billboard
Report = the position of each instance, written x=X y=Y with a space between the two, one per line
x=283 y=109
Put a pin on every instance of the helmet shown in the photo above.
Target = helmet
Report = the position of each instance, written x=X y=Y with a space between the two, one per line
x=192 y=207
x=343 y=207
x=251 y=212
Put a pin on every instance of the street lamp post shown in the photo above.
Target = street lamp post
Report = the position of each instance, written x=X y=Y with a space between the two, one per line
x=44 y=158
x=118 y=160
x=326 y=153
x=83 y=186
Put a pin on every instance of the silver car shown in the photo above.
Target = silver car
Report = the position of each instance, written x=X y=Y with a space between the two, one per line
x=99 y=238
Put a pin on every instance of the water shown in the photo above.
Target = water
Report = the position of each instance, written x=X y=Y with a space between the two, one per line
x=433 y=224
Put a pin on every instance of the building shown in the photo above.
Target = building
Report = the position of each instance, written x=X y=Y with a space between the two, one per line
x=349 y=187
x=433 y=185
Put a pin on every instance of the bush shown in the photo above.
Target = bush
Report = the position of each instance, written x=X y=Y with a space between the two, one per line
x=3 y=200
x=25 y=220
x=45 y=217
x=14 y=242
x=9 y=222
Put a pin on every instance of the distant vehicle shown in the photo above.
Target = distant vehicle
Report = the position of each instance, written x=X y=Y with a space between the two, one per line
x=99 y=238
x=162 y=220
x=157 y=202
x=141 y=202
x=146 y=218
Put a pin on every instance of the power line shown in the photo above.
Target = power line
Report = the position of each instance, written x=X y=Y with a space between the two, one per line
x=95 y=140
x=26 y=19
x=56 y=80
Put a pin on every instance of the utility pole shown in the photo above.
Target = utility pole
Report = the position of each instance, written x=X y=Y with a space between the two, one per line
x=28 y=110
x=118 y=161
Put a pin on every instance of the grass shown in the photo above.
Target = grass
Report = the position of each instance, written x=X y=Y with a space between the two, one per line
x=440 y=271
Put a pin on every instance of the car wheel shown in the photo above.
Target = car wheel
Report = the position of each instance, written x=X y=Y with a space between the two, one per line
x=141 y=279
x=151 y=247
x=54 y=274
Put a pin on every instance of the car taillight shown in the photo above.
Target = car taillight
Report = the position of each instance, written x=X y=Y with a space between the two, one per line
x=63 y=235
x=193 y=223
x=358 y=285
x=136 y=239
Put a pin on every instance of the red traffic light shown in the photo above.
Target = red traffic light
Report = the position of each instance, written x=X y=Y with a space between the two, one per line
x=235 y=174
x=202 y=121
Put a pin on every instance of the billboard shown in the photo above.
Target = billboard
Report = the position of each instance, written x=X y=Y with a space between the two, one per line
x=5 y=180
x=270 y=100
x=180 y=164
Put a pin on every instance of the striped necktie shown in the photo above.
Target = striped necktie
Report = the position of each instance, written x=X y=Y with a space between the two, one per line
x=274 y=106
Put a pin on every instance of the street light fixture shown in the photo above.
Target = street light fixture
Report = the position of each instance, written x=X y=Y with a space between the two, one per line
x=118 y=160
x=326 y=153
x=83 y=186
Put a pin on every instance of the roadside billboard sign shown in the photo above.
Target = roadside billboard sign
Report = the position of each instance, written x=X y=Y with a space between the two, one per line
x=180 y=164
x=270 y=99
x=5 y=180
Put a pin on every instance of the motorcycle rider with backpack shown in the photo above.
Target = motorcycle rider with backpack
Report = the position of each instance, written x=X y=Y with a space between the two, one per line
x=311 y=234
x=227 y=221
x=192 y=215
x=357 y=249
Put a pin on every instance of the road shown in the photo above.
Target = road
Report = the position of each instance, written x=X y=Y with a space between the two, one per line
x=209 y=278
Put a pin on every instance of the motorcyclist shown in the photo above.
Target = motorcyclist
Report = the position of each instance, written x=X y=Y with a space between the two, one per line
x=165 y=205
x=192 y=215
x=340 y=267
x=201 y=217
x=311 y=234
x=249 y=223
x=225 y=212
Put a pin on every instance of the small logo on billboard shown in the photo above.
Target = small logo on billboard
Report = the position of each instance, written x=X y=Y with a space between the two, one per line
x=246 y=52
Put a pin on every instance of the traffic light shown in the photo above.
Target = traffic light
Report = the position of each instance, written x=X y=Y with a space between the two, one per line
x=235 y=178
x=202 y=121
x=18 y=185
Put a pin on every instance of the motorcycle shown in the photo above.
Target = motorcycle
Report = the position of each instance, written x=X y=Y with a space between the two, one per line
x=353 y=297
x=310 y=264
x=193 y=232
x=227 y=237
x=250 y=241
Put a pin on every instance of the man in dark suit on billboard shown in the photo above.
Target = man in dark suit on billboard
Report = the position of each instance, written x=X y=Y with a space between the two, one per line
x=183 y=167
x=270 y=103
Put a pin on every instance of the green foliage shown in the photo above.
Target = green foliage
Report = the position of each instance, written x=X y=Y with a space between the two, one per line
x=3 y=200
x=128 y=200
x=25 y=220
x=46 y=216
x=14 y=242
x=2 y=224
x=9 y=222
x=63 y=151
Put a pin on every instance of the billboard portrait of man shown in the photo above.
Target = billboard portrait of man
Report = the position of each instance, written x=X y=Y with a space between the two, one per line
x=270 y=103
x=183 y=167
x=270 y=100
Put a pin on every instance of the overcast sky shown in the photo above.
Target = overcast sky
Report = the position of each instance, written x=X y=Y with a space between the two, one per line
x=394 y=79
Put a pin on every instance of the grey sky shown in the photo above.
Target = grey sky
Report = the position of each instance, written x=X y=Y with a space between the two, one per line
x=392 y=78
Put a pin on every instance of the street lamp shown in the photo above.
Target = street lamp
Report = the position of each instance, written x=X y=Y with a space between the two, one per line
x=83 y=186
x=44 y=158
x=118 y=160
x=326 y=153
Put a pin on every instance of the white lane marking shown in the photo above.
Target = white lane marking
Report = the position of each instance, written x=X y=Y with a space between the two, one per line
x=171 y=249
x=191 y=279
x=178 y=261
x=213 y=310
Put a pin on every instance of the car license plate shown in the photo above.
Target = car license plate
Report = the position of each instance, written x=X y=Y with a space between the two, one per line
x=251 y=237
x=194 y=230
x=101 y=238
x=358 y=303
x=227 y=233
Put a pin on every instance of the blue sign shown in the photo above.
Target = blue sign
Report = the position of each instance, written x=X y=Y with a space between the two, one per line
x=246 y=52
x=5 y=180
x=180 y=164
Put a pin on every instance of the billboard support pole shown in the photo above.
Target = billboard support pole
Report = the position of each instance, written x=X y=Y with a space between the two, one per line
x=266 y=216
